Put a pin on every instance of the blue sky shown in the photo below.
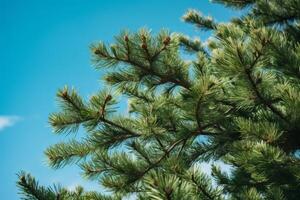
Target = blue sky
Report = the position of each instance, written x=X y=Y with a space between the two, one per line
x=44 y=46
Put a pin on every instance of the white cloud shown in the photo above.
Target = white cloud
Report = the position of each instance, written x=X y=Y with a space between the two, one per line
x=7 y=121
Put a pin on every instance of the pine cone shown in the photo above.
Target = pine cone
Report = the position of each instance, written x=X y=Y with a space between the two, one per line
x=108 y=98
x=97 y=51
x=23 y=179
x=144 y=46
x=167 y=41
x=126 y=38
x=64 y=94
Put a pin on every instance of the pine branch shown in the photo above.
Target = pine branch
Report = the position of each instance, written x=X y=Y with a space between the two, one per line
x=196 y=18
x=238 y=4
x=203 y=191
x=120 y=127
x=236 y=101
x=103 y=54
x=268 y=104
x=31 y=190
x=191 y=45
x=62 y=154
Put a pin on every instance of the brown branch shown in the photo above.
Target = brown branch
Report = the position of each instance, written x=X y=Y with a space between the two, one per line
x=160 y=144
x=165 y=155
x=263 y=100
x=253 y=84
x=197 y=112
x=147 y=69
x=67 y=98
x=119 y=127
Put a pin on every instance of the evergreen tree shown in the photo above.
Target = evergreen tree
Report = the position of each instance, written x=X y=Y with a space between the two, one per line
x=237 y=102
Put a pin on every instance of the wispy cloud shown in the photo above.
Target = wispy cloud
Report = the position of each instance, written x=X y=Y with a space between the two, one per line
x=7 y=121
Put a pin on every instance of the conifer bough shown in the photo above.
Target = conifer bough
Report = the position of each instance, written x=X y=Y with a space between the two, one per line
x=237 y=102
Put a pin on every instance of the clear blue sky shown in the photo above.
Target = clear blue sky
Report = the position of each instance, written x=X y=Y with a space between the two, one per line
x=44 y=46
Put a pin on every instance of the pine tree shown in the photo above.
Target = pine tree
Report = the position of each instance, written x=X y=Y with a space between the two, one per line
x=236 y=102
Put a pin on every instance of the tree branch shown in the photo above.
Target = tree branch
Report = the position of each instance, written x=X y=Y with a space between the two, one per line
x=253 y=84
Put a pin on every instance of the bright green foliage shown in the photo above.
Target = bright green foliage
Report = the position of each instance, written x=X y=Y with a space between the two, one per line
x=237 y=102
x=32 y=190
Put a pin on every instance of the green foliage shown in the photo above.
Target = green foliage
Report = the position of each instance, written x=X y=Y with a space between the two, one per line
x=31 y=190
x=196 y=18
x=237 y=102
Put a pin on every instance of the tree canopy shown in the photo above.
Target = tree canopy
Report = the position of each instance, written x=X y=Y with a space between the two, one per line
x=236 y=102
